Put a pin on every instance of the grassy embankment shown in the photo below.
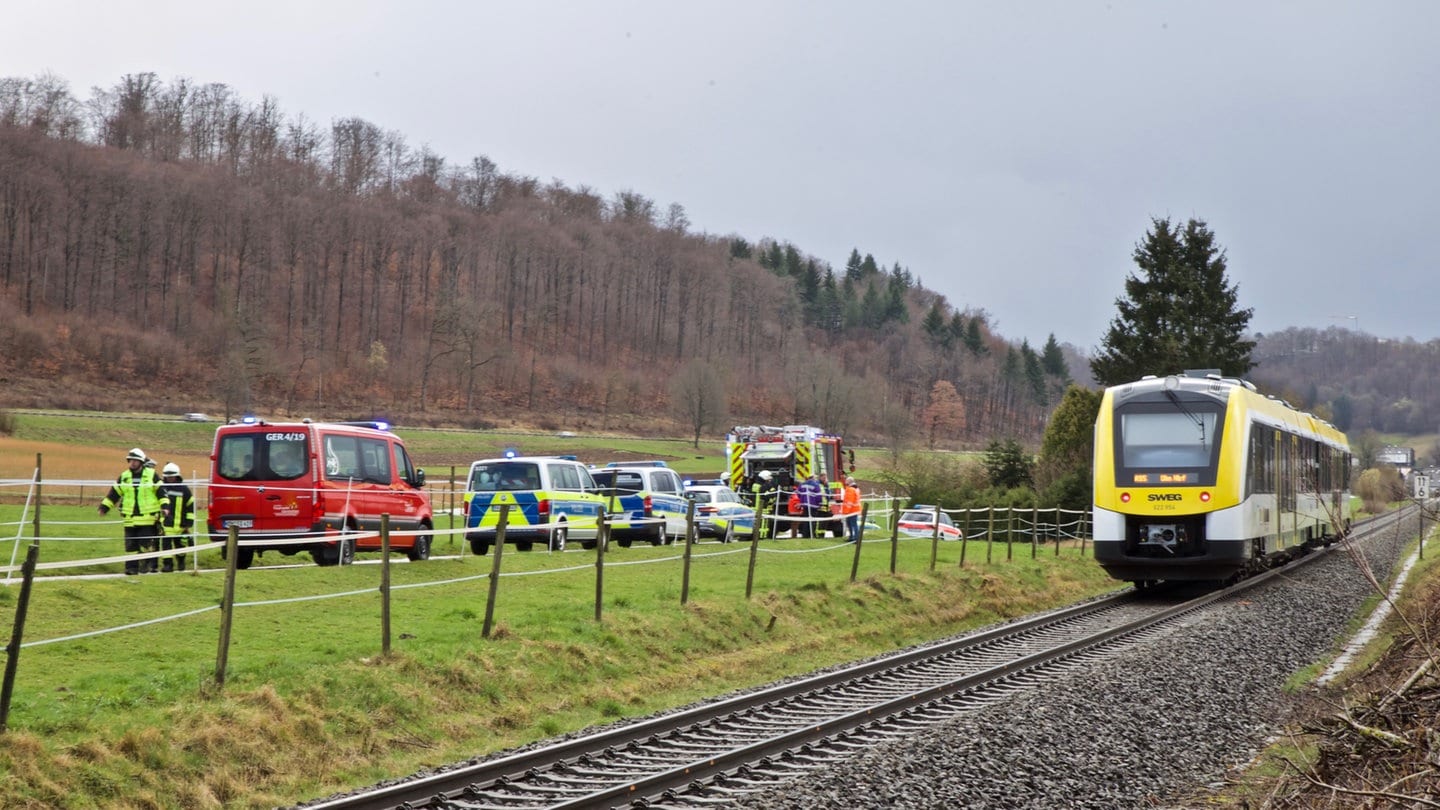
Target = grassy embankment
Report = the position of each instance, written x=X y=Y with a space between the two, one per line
x=134 y=718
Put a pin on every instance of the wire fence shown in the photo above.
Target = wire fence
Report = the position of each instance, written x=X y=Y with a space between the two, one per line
x=992 y=528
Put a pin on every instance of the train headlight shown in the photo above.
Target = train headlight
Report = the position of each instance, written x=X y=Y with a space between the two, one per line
x=1204 y=497
x=1124 y=497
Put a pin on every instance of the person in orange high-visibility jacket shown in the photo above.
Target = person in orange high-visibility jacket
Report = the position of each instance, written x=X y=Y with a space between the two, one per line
x=850 y=508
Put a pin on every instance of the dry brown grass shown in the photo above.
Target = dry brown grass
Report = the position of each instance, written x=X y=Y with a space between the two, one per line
x=66 y=461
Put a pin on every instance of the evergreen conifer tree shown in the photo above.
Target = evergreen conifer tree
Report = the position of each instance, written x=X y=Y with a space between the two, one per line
x=974 y=341
x=852 y=267
x=936 y=326
x=1053 y=360
x=1034 y=374
x=1179 y=312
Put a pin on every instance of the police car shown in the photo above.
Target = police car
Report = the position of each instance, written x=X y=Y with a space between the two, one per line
x=919 y=521
x=720 y=513
x=551 y=500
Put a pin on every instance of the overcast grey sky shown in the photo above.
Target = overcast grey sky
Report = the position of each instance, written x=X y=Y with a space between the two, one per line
x=1010 y=154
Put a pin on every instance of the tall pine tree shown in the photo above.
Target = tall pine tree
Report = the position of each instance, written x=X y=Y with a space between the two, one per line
x=1179 y=312
x=1053 y=360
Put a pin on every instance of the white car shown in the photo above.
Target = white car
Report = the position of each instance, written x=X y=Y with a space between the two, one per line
x=720 y=513
x=919 y=521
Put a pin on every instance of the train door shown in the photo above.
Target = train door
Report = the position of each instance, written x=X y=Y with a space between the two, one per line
x=1289 y=489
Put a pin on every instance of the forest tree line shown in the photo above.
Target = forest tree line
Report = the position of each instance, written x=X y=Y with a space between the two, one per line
x=174 y=241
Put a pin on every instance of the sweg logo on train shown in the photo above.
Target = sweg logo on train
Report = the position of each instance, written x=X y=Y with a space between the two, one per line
x=1167 y=497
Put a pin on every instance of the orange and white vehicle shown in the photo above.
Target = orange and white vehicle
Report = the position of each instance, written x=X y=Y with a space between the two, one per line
x=275 y=482
x=919 y=521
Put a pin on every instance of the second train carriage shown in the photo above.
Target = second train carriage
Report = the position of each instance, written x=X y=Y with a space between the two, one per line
x=1203 y=478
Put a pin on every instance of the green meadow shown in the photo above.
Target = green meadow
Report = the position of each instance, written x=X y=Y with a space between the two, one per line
x=119 y=701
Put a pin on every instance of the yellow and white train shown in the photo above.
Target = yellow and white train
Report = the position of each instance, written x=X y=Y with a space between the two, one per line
x=1204 y=478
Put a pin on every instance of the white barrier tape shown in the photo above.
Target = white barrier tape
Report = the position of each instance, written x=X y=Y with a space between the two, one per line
x=148 y=555
x=773 y=517
x=195 y=612
x=364 y=591
x=832 y=547
x=312 y=598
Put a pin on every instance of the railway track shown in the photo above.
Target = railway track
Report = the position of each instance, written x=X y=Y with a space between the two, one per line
x=709 y=755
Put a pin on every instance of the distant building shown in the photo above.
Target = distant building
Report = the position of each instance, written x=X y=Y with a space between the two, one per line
x=1396 y=456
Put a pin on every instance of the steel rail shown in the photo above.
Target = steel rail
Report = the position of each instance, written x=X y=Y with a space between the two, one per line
x=574 y=778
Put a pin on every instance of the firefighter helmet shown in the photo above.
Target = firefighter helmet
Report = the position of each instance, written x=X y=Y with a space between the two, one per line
x=172 y=469
x=136 y=454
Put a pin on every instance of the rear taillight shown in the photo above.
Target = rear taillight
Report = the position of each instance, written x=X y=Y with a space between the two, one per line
x=542 y=510
x=648 y=507
x=708 y=510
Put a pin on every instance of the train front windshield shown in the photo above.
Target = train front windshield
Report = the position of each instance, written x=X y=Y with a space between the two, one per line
x=1167 y=443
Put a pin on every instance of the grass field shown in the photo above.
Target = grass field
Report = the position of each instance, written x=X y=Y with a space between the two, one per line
x=134 y=716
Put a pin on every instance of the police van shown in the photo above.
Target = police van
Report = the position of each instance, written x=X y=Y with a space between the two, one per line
x=327 y=482
x=550 y=500
x=649 y=495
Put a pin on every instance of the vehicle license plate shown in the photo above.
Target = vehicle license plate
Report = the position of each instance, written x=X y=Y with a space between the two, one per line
x=240 y=524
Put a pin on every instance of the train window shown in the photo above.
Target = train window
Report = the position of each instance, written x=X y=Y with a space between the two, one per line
x=1167 y=439
x=1174 y=443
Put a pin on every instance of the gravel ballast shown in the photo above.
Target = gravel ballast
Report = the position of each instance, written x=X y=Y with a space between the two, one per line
x=1140 y=730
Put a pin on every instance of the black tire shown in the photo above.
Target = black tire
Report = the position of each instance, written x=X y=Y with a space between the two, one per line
x=244 y=557
x=658 y=539
x=623 y=540
x=421 y=549
x=347 y=550
x=523 y=545
x=558 y=538
x=325 y=555
x=480 y=547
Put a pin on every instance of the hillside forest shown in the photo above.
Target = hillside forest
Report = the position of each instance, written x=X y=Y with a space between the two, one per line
x=170 y=246
x=194 y=250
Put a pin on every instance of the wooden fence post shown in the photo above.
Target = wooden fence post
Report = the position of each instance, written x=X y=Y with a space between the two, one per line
x=965 y=537
x=754 y=550
x=935 y=539
x=859 y=538
x=39 y=486
x=1009 y=533
x=227 y=605
x=12 y=650
x=503 y=521
x=990 y=537
x=602 y=539
x=385 y=584
x=689 y=543
x=1034 y=532
x=894 y=532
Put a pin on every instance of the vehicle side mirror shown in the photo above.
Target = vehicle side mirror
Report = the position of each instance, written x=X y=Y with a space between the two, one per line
x=419 y=477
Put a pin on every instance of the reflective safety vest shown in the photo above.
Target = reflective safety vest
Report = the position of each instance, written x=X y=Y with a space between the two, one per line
x=136 y=496
x=177 y=508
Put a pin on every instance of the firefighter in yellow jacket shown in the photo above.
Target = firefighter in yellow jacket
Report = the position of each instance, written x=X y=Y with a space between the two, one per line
x=136 y=494
x=177 y=517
